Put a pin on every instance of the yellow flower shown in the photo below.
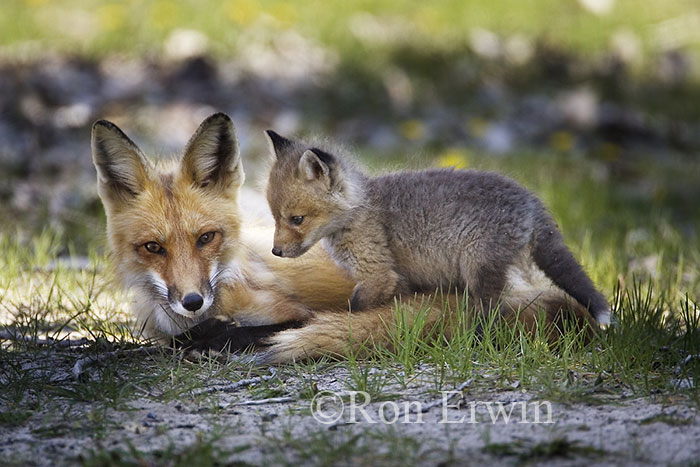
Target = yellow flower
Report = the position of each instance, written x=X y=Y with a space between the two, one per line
x=454 y=157
x=243 y=12
x=412 y=129
x=562 y=141
x=429 y=20
x=164 y=14
x=36 y=3
x=477 y=127
x=660 y=194
x=284 y=13
x=112 y=16
x=610 y=151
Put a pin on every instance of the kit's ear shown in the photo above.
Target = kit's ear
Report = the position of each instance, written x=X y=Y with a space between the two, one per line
x=317 y=165
x=278 y=143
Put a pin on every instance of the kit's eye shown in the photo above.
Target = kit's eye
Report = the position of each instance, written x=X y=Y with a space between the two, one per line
x=205 y=238
x=153 y=247
x=296 y=220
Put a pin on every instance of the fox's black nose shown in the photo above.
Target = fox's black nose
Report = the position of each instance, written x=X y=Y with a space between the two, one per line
x=276 y=251
x=192 y=302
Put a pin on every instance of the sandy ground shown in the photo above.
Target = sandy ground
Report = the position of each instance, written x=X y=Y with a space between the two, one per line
x=452 y=427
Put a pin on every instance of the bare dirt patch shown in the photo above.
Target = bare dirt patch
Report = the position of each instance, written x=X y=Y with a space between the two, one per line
x=269 y=417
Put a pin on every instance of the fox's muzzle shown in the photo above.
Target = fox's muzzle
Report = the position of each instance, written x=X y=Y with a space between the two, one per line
x=192 y=302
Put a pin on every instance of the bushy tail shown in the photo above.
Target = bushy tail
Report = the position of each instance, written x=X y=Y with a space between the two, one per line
x=558 y=307
x=341 y=333
x=553 y=257
x=338 y=334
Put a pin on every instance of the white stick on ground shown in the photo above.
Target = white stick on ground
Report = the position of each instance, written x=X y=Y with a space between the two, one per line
x=237 y=385
x=271 y=400
x=16 y=336
x=82 y=363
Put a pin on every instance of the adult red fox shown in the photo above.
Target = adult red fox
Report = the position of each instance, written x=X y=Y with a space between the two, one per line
x=179 y=242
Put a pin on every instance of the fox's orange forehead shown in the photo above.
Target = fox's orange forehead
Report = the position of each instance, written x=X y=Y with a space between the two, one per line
x=169 y=208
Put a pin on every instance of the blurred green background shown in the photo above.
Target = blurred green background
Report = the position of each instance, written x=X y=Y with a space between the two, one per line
x=352 y=28
x=593 y=104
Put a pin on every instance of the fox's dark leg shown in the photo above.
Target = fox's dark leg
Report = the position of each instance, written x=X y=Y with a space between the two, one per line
x=214 y=334
x=553 y=257
x=485 y=281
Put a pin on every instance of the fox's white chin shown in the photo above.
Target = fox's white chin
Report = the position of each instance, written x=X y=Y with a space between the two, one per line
x=171 y=321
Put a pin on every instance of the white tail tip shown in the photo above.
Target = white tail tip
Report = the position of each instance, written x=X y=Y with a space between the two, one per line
x=603 y=318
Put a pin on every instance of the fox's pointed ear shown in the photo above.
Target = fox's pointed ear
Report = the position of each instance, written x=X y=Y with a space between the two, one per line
x=121 y=167
x=317 y=165
x=212 y=157
x=278 y=143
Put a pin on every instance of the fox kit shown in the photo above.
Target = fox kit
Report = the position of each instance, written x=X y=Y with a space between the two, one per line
x=418 y=231
x=175 y=231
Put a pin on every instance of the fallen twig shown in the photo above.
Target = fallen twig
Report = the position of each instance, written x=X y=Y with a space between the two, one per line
x=13 y=336
x=80 y=365
x=237 y=385
x=270 y=400
x=688 y=358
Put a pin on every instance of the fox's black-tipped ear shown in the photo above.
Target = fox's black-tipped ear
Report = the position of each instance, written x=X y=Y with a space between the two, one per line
x=317 y=165
x=212 y=157
x=122 y=168
x=278 y=143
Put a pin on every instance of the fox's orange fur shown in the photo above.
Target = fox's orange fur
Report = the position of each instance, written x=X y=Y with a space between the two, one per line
x=171 y=204
x=180 y=243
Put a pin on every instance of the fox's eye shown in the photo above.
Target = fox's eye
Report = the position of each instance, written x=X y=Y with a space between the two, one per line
x=205 y=238
x=153 y=247
x=296 y=220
